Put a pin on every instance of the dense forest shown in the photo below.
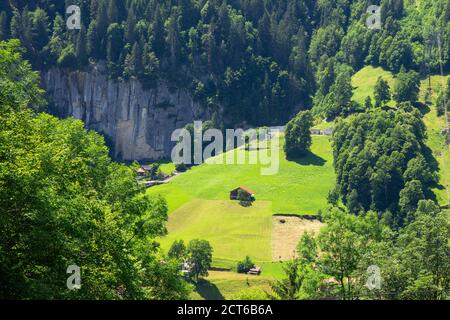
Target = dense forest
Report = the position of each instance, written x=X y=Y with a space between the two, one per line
x=63 y=200
x=261 y=61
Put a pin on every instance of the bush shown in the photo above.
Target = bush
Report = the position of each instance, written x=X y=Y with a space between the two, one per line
x=68 y=59
x=181 y=167
x=245 y=266
x=298 y=135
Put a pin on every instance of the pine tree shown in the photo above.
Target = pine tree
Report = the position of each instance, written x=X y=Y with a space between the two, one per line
x=114 y=43
x=150 y=65
x=80 y=50
x=265 y=35
x=173 y=41
x=101 y=28
x=3 y=26
x=133 y=61
x=158 y=34
x=440 y=104
x=130 y=34
x=113 y=13
x=382 y=92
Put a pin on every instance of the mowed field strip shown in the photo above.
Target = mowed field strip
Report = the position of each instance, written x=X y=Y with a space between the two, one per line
x=286 y=234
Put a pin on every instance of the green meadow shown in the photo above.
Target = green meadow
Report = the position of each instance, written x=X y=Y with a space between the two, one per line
x=232 y=230
x=199 y=208
x=300 y=187
x=199 y=205
x=365 y=80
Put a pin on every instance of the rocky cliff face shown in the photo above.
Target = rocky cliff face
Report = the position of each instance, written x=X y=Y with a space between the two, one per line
x=137 y=123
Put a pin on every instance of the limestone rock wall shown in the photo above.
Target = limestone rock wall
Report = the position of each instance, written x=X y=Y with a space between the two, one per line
x=137 y=123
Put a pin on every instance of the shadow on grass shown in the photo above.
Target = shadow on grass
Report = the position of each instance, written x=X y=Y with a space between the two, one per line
x=208 y=290
x=309 y=159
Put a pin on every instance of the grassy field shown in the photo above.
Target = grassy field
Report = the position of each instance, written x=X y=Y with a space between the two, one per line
x=300 y=187
x=365 y=80
x=231 y=285
x=232 y=230
x=364 y=83
x=436 y=141
x=199 y=207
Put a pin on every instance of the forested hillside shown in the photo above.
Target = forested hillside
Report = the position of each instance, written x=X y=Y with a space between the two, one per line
x=260 y=60
x=146 y=67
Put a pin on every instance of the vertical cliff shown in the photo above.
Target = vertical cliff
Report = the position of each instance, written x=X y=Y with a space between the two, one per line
x=137 y=123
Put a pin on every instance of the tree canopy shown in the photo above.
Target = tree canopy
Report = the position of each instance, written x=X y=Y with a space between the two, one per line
x=64 y=202
x=380 y=162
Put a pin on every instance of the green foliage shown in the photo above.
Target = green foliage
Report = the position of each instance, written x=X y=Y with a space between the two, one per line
x=440 y=104
x=376 y=155
x=382 y=92
x=18 y=83
x=288 y=288
x=3 y=25
x=249 y=294
x=68 y=58
x=263 y=60
x=64 y=202
x=245 y=265
x=335 y=99
x=180 y=167
x=298 y=135
x=407 y=87
x=368 y=103
x=181 y=42
x=410 y=196
x=177 y=250
x=413 y=264
x=200 y=257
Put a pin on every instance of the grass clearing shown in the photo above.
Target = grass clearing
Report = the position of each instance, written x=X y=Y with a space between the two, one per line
x=364 y=82
x=232 y=230
x=225 y=285
x=199 y=208
x=298 y=188
x=435 y=140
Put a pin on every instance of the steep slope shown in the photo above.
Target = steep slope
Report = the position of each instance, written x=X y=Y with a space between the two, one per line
x=364 y=83
x=137 y=123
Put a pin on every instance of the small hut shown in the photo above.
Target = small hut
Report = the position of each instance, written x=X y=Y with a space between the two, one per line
x=255 y=271
x=141 y=172
x=246 y=192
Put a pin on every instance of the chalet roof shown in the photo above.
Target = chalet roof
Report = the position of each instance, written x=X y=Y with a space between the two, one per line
x=245 y=189
x=141 y=170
